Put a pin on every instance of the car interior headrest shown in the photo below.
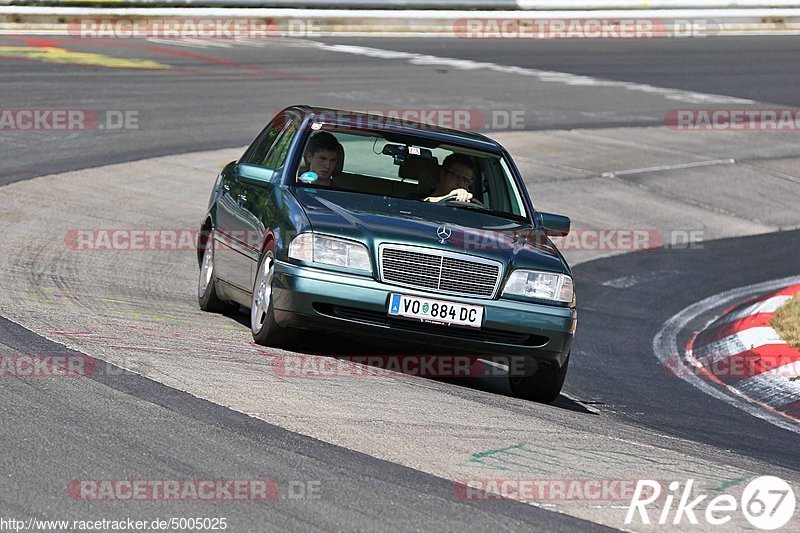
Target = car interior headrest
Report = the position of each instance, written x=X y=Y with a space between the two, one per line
x=425 y=171
x=339 y=160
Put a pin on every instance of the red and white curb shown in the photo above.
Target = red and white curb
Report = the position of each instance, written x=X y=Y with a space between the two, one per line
x=740 y=351
x=747 y=314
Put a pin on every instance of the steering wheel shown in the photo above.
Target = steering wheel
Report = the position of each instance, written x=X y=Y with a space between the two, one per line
x=451 y=197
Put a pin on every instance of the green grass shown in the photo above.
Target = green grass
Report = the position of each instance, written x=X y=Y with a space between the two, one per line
x=787 y=321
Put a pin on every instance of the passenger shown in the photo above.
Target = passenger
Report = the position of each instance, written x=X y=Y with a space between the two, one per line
x=321 y=158
x=456 y=176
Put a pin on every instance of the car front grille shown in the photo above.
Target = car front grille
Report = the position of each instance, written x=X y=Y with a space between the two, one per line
x=439 y=271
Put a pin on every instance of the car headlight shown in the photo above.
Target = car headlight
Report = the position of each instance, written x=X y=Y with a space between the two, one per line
x=545 y=285
x=330 y=251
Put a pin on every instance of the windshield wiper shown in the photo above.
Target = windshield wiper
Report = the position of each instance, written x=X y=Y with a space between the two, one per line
x=502 y=214
x=467 y=205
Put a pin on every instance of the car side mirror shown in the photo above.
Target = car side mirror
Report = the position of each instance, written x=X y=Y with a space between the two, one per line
x=554 y=225
x=254 y=175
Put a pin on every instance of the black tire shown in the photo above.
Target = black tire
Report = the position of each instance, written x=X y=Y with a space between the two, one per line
x=263 y=326
x=543 y=385
x=207 y=296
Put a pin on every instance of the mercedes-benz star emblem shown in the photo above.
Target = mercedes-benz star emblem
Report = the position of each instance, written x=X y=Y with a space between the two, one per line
x=443 y=232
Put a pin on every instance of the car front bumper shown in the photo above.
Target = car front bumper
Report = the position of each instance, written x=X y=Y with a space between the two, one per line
x=311 y=298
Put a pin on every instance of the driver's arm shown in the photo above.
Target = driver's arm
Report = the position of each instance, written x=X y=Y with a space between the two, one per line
x=459 y=195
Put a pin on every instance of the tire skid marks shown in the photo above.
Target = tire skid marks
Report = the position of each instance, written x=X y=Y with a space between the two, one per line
x=145 y=328
x=772 y=388
x=165 y=342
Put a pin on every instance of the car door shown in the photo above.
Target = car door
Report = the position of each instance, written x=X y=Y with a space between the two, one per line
x=232 y=258
x=257 y=193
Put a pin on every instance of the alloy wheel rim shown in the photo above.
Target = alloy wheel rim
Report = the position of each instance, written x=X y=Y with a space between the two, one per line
x=207 y=267
x=262 y=294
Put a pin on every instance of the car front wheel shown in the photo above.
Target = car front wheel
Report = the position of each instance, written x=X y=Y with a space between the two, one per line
x=542 y=385
x=265 y=330
x=207 y=281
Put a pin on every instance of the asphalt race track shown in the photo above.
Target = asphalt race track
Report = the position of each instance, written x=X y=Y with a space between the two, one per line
x=179 y=394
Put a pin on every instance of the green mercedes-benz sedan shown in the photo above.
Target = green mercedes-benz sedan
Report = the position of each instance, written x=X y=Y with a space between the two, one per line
x=359 y=223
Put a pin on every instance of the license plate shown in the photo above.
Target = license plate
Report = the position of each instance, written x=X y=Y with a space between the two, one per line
x=438 y=311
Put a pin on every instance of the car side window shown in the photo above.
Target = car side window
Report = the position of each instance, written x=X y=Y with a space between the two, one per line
x=277 y=156
x=511 y=199
x=259 y=150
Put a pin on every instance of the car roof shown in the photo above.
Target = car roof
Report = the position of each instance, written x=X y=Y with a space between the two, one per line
x=395 y=126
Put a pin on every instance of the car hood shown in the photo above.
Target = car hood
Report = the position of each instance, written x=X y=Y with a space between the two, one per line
x=375 y=220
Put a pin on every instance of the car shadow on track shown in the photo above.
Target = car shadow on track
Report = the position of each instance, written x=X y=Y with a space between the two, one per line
x=417 y=360
x=497 y=383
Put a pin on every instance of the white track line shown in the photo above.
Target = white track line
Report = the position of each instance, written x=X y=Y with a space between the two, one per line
x=542 y=75
x=205 y=43
x=669 y=167
x=175 y=42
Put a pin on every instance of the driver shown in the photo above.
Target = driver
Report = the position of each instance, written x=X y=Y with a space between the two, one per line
x=456 y=176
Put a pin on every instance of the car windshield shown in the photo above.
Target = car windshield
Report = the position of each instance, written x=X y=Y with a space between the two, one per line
x=371 y=163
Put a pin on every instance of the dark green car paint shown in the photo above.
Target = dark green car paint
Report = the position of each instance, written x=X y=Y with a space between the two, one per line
x=253 y=209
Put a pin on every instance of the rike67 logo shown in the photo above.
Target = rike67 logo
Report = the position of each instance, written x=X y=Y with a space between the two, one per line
x=767 y=502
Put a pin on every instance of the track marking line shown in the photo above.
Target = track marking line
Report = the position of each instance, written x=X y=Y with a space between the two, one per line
x=205 y=43
x=53 y=54
x=626 y=282
x=668 y=167
x=564 y=78
x=176 y=42
x=778 y=174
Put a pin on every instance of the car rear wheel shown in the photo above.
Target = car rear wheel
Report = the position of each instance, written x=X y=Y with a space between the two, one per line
x=207 y=281
x=262 y=314
x=543 y=385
